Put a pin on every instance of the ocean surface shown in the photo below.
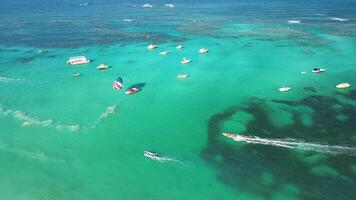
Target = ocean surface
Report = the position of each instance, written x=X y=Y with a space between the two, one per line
x=75 y=138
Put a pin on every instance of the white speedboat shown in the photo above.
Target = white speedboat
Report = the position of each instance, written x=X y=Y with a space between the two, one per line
x=182 y=76
x=203 y=50
x=284 y=89
x=169 y=5
x=153 y=156
x=293 y=22
x=77 y=60
x=151 y=46
x=164 y=53
x=102 y=67
x=232 y=136
x=318 y=70
x=147 y=5
x=179 y=47
x=76 y=74
x=343 y=85
x=185 y=61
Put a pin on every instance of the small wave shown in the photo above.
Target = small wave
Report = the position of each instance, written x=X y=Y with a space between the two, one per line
x=168 y=159
x=339 y=19
x=109 y=111
x=29 y=120
x=5 y=79
x=299 y=144
x=27 y=154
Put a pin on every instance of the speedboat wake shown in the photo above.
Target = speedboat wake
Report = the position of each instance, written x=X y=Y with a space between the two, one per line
x=294 y=144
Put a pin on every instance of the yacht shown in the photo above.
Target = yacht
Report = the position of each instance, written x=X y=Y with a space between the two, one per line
x=185 y=61
x=102 y=67
x=164 y=52
x=203 y=50
x=343 y=85
x=151 y=46
x=78 y=60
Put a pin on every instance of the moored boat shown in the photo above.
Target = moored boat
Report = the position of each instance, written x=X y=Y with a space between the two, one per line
x=284 y=89
x=179 y=47
x=76 y=74
x=203 y=50
x=185 y=61
x=151 y=46
x=102 y=67
x=343 y=85
x=164 y=53
x=318 y=70
x=132 y=91
x=182 y=76
x=77 y=60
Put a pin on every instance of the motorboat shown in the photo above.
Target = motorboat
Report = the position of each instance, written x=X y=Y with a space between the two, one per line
x=151 y=46
x=303 y=72
x=147 y=5
x=294 y=22
x=153 y=156
x=102 y=67
x=179 y=47
x=343 y=85
x=318 y=70
x=182 y=76
x=132 y=91
x=185 y=61
x=203 y=50
x=232 y=136
x=284 y=89
x=128 y=20
x=76 y=74
x=164 y=52
x=169 y=5
x=78 y=60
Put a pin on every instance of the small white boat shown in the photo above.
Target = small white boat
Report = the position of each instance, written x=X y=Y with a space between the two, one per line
x=169 y=5
x=185 y=61
x=147 y=5
x=151 y=46
x=318 y=70
x=132 y=91
x=164 y=53
x=179 y=47
x=102 y=67
x=339 y=19
x=153 y=156
x=203 y=50
x=77 y=60
x=235 y=137
x=128 y=20
x=284 y=89
x=294 y=22
x=343 y=85
x=76 y=74
x=182 y=76
x=304 y=72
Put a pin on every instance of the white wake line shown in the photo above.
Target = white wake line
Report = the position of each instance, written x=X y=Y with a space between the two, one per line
x=168 y=159
x=299 y=144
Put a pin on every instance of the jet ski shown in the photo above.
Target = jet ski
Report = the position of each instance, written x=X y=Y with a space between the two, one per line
x=153 y=156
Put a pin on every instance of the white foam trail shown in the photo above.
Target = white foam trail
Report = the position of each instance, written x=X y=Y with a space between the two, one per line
x=168 y=159
x=109 y=111
x=27 y=154
x=28 y=120
x=339 y=19
x=5 y=79
x=299 y=144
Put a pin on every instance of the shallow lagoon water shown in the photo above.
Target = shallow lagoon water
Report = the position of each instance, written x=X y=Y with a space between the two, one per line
x=76 y=138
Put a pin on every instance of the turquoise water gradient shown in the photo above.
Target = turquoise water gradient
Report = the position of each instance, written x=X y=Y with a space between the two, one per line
x=64 y=137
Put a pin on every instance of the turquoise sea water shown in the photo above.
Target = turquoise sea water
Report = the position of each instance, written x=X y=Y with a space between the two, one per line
x=76 y=138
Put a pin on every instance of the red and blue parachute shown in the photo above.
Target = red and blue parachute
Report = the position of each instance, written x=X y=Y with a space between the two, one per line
x=118 y=83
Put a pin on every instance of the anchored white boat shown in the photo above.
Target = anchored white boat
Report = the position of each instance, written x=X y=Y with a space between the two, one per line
x=153 y=156
x=294 y=22
x=179 y=47
x=318 y=70
x=78 y=60
x=102 y=67
x=76 y=74
x=132 y=91
x=151 y=46
x=169 y=5
x=343 y=85
x=164 y=53
x=284 y=89
x=185 y=61
x=182 y=76
x=147 y=5
x=203 y=50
